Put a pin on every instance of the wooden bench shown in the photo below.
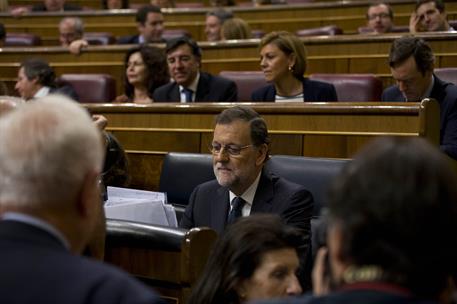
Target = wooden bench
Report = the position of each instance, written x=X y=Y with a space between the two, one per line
x=168 y=259
x=338 y=54
x=335 y=130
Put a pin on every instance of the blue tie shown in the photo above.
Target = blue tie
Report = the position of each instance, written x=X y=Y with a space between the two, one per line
x=237 y=206
x=188 y=93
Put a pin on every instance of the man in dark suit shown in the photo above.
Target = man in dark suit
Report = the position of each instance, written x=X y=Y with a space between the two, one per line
x=395 y=195
x=150 y=26
x=55 y=6
x=51 y=157
x=191 y=85
x=411 y=62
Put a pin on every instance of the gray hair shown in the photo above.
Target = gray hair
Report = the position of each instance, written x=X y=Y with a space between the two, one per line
x=78 y=24
x=47 y=148
x=220 y=13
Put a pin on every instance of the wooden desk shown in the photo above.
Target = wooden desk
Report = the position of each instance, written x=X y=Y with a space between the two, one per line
x=336 y=130
x=337 y=54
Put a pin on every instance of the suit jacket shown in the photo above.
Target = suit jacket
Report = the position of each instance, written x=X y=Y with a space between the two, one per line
x=36 y=268
x=66 y=90
x=134 y=39
x=40 y=7
x=209 y=88
x=312 y=91
x=446 y=95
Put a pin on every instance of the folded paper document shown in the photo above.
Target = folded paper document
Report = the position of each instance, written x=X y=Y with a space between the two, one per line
x=139 y=206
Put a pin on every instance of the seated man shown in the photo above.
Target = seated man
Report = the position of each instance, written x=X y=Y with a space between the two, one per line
x=214 y=21
x=191 y=85
x=55 y=6
x=412 y=62
x=70 y=29
x=429 y=16
x=51 y=156
x=37 y=79
x=242 y=187
x=149 y=21
x=380 y=18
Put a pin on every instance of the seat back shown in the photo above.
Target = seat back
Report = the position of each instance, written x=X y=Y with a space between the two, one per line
x=99 y=38
x=92 y=88
x=395 y=29
x=330 y=30
x=246 y=82
x=181 y=173
x=175 y=33
x=353 y=87
x=22 y=39
x=168 y=259
x=447 y=74
x=315 y=174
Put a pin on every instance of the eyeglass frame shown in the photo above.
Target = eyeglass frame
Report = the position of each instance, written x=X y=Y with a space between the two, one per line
x=227 y=148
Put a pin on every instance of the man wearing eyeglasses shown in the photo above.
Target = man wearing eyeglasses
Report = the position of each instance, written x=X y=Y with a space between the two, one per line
x=380 y=18
x=242 y=187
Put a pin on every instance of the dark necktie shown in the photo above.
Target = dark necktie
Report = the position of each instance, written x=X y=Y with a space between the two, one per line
x=237 y=206
x=188 y=93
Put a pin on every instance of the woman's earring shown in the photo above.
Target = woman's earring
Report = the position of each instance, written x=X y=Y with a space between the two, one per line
x=291 y=68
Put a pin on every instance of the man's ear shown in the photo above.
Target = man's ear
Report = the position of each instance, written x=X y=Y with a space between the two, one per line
x=89 y=195
x=262 y=151
x=140 y=27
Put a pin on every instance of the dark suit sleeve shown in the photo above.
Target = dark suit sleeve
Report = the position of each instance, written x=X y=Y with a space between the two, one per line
x=449 y=131
x=300 y=211
x=187 y=220
x=231 y=92
x=331 y=94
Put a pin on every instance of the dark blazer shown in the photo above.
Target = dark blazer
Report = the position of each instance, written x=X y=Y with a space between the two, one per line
x=446 y=95
x=36 y=268
x=312 y=91
x=209 y=88
x=134 y=39
x=66 y=90
x=40 y=7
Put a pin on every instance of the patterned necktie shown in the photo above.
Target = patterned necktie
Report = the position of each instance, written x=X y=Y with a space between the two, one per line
x=237 y=206
x=188 y=93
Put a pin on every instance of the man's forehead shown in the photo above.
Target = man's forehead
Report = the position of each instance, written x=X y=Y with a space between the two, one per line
x=181 y=50
x=152 y=16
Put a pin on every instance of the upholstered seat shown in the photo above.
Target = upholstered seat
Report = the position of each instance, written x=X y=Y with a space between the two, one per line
x=447 y=74
x=171 y=34
x=246 y=82
x=22 y=39
x=330 y=30
x=353 y=87
x=99 y=38
x=395 y=29
x=92 y=88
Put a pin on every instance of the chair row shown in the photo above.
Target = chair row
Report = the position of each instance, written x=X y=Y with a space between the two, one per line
x=101 y=88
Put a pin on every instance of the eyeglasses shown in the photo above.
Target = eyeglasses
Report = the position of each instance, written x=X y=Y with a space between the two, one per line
x=216 y=148
x=381 y=15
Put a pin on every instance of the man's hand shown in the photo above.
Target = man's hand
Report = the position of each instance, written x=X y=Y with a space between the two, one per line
x=415 y=25
x=320 y=274
x=100 y=121
x=76 y=46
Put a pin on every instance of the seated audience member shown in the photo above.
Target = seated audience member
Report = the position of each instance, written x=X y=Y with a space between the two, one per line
x=145 y=70
x=235 y=28
x=412 y=62
x=116 y=167
x=191 y=85
x=2 y=35
x=55 y=6
x=149 y=21
x=37 y=79
x=380 y=18
x=115 y=4
x=256 y=258
x=214 y=21
x=429 y=16
x=164 y=3
x=396 y=194
x=51 y=210
x=283 y=61
x=242 y=186
x=70 y=29
x=258 y=3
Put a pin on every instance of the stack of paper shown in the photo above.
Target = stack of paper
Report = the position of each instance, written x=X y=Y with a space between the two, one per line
x=139 y=206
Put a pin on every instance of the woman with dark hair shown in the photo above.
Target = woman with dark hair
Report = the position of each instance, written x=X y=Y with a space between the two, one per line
x=146 y=69
x=283 y=62
x=256 y=258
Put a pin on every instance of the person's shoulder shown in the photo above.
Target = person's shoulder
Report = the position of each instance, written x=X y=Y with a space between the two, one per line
x=208 y=186
x=219 y=79
x=160 y=93
x=260 y=94
x=392 y=93
x=131 y=39
x=319 y=84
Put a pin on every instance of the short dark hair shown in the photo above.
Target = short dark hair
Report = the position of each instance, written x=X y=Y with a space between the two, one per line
x=157 y=73
x=407 y=46
x=259 y=130
x=39 y=69
x=396 y=207
x=238 y=253
x=438 y=4
x=220 y=13
x=2 y=31
x=389 y=9
x=173 y=44
x=142 y=13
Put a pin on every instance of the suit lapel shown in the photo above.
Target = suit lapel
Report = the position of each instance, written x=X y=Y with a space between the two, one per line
x=203 y=88
x=220 y=209
x=263 y=195
x=174 y=94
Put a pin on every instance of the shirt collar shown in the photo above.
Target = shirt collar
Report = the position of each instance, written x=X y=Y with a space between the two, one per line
x=249 y=194
x=429 y=89
x=36 y=222
x=44 y=91
x=193 y=86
